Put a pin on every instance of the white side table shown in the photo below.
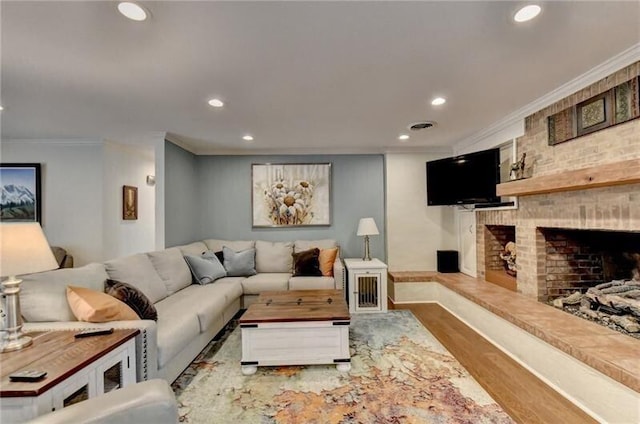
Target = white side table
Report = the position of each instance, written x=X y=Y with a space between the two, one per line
x=367 y=285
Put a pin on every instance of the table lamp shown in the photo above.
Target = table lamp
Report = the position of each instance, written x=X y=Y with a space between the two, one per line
x=23 y=250
x=367 y=227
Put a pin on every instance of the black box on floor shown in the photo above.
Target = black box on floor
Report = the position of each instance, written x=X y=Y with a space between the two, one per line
x=448 y=261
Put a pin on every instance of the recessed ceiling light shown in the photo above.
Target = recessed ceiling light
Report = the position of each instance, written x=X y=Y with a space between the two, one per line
x=438 y=101
x=247 y=138
x=1 y=108
x=527 y=13
x=403 y=137
x=132 y=11
x=216 y=102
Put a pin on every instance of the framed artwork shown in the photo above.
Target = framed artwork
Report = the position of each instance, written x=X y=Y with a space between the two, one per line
x=594 y=114
x=129 y=203
x=21 y=197
x=290 y=194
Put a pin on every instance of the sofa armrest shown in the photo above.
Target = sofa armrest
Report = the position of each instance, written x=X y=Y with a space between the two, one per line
x=146 y=341
x=338 y=273
x=151 y=401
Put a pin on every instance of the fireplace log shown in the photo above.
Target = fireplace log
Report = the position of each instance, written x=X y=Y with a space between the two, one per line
x=627 y=322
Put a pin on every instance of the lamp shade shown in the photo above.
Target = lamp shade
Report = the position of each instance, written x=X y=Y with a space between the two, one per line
x=24 y=249
x=367 y=227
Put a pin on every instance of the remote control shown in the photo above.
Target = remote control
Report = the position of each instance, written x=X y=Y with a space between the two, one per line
x=94 y=332
x=27 y=375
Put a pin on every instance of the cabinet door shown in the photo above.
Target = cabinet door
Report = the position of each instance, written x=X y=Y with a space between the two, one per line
x=367 y=291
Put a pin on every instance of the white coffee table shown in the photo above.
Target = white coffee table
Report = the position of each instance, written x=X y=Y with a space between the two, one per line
x=297 y=327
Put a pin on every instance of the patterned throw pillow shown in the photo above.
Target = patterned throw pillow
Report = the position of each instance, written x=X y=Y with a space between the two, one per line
x=306 y=263
x=132 y=297
x=94 y=306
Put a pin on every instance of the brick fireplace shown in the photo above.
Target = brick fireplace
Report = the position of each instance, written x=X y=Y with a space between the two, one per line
x=554 y=221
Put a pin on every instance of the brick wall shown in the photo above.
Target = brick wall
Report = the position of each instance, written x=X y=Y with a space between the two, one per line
x=496 y=237
x=606 y=208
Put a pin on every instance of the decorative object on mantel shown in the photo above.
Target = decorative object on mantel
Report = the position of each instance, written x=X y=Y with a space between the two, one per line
x=517 y=169
x=508 y=255
x=614 y=106
x=129 y=203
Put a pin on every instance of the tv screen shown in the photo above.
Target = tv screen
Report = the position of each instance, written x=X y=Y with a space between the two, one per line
x=464 y=179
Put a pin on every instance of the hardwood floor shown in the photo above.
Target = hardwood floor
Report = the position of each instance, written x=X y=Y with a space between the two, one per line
x=523 y=396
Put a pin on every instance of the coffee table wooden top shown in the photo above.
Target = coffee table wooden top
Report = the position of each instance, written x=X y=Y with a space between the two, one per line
x=297 y=305
x=58 y=353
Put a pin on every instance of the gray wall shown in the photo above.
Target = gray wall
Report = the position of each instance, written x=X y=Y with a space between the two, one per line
x=182 y=198
x=224 y=197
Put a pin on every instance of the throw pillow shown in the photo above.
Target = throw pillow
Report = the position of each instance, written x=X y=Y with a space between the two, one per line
x=327 y=258
x=205 y=268
x=132 y=297
x=306 y=263
x=239 y=264
x=94 y=306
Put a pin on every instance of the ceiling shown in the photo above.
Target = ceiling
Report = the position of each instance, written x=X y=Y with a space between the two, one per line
x=298 y=76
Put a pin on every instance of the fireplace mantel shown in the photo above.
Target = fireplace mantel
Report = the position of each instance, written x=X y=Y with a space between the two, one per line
x=610 y=174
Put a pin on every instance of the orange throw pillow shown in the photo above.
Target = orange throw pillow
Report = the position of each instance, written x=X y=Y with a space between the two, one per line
x=327 y=258
x=94 y=306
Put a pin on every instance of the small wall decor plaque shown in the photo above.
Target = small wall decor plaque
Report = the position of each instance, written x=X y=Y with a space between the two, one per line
x=129 y=203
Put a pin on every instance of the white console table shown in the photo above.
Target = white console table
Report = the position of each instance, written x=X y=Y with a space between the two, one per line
x=367 y=285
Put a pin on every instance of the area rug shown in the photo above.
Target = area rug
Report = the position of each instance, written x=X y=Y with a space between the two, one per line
x=400 y=374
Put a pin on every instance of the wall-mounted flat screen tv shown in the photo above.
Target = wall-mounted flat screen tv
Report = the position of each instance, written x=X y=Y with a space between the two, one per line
x=464 y=179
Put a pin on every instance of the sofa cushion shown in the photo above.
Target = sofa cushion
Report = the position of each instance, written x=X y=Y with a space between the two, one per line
x=133 y=297
x=95 y=306
x=205 y=268
x=311 y=283
x=172 y=268
x=274 y=256
x=196 y=248
x=241 y=263
x=237 y=245
x=327 y=258
x=210 y=301
x=43 y=296
x=265 y=282
x=306 y=263
x=138 y=271
x=300 y=245
x=177 y=326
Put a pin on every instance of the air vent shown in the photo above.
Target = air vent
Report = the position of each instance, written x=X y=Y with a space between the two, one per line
x=421 y=125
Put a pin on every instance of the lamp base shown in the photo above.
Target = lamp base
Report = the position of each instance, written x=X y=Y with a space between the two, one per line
x=20 y=342
x=367 y=255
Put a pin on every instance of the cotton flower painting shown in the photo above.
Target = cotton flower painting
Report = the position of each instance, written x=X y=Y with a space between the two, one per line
x=287 y=195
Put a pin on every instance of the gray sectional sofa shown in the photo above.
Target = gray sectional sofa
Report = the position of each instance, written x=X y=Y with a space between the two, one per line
x=189 y=314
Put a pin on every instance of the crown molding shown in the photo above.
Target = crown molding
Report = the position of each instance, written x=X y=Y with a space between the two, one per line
x=55 y=141
x=613 y=64
x=172 y=138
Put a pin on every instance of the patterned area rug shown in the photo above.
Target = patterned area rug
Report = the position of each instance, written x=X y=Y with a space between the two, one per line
x=400 y=374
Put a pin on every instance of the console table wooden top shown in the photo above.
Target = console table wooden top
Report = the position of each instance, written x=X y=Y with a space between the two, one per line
x=58 y=353
x=297 y=305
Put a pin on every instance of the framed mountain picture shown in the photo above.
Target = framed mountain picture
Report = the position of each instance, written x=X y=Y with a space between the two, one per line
x=20 y=184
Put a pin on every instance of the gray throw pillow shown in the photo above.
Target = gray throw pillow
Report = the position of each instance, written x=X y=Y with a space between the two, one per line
x=239 y=264
x=205 y=268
